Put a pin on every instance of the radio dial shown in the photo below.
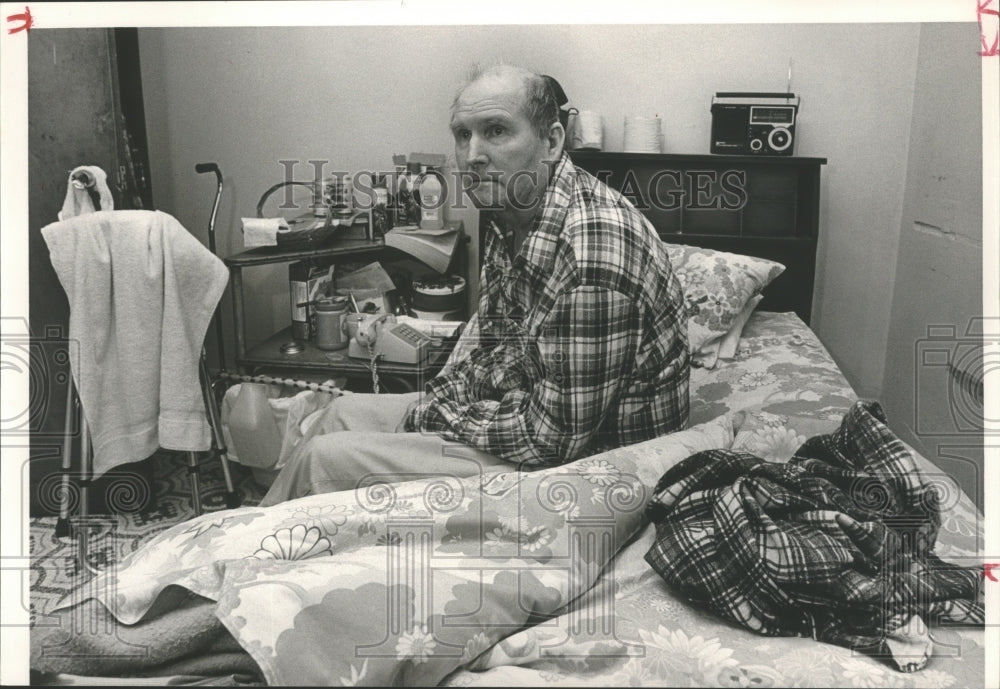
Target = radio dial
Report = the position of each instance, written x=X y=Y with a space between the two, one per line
x=779 y=139
x=756 y=144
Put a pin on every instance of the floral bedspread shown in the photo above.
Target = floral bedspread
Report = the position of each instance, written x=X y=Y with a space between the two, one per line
x=401 y=584
x=524 y=579
x=631 y=630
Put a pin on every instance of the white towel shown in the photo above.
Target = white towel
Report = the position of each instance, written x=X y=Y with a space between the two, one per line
x=78 y=202
x=142 y=292
x=262 y=231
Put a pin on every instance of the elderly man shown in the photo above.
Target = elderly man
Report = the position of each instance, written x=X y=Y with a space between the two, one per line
x=582 y=341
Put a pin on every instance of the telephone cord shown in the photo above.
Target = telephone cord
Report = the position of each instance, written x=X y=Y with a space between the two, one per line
x=374 y=360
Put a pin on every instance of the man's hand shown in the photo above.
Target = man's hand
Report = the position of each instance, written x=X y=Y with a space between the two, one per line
x=427 y=397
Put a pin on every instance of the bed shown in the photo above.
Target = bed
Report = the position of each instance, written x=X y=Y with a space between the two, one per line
x=530 y=579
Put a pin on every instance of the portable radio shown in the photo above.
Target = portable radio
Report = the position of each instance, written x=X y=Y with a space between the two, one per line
x=754 y=123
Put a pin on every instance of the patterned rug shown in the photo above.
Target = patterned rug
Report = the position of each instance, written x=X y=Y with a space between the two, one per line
x=55 y=567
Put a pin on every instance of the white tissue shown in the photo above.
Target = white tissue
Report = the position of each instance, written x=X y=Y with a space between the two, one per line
x=262 y=231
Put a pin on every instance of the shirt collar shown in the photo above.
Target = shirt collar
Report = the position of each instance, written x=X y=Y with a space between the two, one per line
x=558 y=194
x=555 y=204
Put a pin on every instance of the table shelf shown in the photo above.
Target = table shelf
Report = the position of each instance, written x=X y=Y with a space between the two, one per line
x=264 y=255
x=267 y=355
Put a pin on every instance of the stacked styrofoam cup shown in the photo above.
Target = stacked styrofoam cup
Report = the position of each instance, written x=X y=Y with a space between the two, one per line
x=642 y=134
x=588 y=131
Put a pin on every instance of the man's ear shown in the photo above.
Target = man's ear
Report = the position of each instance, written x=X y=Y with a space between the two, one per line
x=556 y=140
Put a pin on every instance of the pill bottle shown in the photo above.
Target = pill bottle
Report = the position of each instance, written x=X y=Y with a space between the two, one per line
x=431 y=201
x=380 y=206
x=409 y=195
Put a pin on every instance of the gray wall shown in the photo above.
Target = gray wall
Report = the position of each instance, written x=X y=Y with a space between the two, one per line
x=939 y=266
x=248 y=97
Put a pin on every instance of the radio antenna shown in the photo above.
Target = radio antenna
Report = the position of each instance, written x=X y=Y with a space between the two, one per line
x=788 y=90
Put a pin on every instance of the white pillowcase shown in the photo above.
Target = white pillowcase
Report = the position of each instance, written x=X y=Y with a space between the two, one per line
x=718 y=287
x=729 y=344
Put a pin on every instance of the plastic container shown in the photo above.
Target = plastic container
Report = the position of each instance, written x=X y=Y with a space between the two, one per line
x=380 y=206
x=442 y=293
x=330 y=330
x=253 y=429
x=290 y=408
x=408 y=197
x=320 y=192
x=307 y=281
x=431 y=201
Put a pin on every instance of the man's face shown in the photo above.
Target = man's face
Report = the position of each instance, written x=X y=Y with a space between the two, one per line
x=497 y=149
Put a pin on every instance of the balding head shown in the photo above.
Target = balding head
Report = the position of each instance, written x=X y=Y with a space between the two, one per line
x=537 y=100
x=500 y=142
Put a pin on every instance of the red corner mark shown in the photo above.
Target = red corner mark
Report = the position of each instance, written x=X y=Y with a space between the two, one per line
x=988 y=570
x=984 y=10
x=28 y=22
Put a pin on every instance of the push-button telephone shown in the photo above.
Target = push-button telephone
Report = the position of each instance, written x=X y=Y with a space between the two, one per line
x=382 y=338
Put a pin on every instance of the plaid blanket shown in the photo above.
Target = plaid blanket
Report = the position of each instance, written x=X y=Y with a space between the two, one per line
x=836 y=544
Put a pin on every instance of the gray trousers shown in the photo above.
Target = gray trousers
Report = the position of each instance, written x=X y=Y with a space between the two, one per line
x=354 y=444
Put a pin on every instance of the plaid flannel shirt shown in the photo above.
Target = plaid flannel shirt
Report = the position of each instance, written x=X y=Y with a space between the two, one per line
x=837 y=544
x=583 y=338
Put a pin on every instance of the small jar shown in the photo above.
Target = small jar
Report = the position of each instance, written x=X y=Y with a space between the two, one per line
x=408 y=197
x=330 y=314
x=321 y=197
x=380 y=205
x=339 y=195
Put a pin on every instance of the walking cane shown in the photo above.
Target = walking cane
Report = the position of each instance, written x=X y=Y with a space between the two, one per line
x=212 y=167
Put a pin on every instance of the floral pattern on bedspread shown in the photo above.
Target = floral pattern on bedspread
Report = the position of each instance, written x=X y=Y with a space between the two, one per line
x=400 y=584
x=513 y=579
x=780 y=368
x=631 y=630
x=644 y=635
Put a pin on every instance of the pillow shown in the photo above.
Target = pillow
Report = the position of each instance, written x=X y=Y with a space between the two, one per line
x=731 y=342
x=718 y=286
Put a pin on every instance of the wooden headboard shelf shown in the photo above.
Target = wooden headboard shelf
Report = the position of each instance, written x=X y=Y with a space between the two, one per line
x=758 y=206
